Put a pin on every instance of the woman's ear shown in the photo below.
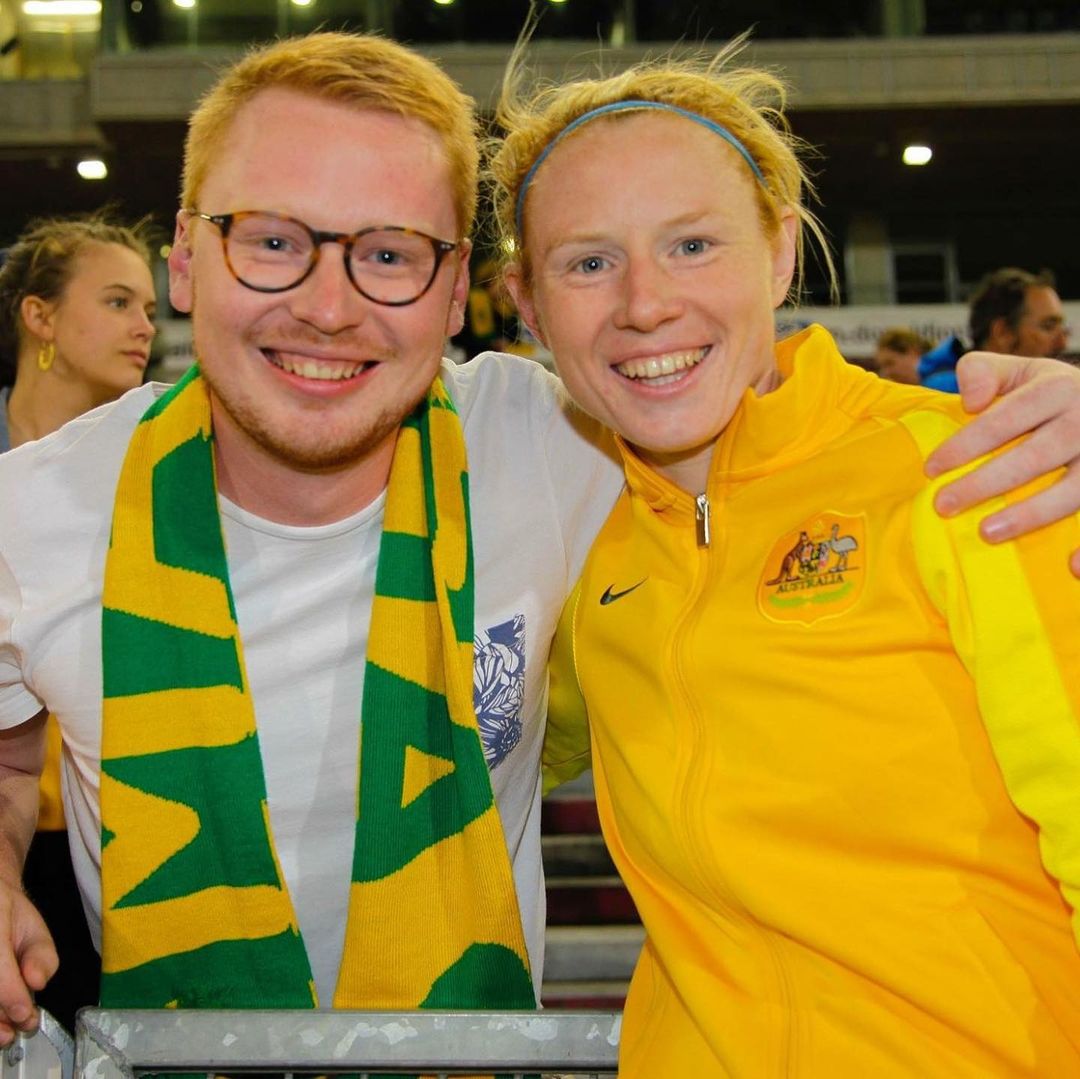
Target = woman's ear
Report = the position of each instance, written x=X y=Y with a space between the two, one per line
x=514 y=279
x=37 y=316
x=785 y=246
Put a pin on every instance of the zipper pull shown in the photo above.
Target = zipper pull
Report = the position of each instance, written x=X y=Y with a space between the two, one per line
x=702 y=503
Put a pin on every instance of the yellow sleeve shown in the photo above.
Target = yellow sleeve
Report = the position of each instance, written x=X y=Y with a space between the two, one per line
x=567 y=751
x=1013 y=612
x=51 y=805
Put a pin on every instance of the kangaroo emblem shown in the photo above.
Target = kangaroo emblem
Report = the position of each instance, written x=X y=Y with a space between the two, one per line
x=793 y=558
x=809 y=574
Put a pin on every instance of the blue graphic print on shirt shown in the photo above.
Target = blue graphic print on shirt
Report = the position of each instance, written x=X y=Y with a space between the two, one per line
x=499 y=687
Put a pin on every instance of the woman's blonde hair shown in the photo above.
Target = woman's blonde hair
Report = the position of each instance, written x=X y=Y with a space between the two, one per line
x=747 y=102
x=363 y=70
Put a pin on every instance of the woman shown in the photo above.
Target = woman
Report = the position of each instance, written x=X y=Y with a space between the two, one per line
x=76 y=322
x=837 y=769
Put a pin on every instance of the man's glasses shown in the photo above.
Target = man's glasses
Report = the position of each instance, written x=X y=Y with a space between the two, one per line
x=270 y=252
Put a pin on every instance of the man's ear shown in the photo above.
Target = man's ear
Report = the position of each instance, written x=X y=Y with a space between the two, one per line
x=1001 y=337
x=37 y=316
x=459 y=296
x=514 y=279
x=181 y=287
x=785 y=246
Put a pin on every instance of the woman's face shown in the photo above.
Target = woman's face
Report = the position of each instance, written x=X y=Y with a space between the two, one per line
x=654 y=282
x=103 y=322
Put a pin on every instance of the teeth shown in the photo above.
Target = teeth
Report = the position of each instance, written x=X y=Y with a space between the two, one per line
x=661 y=366
x=319 y=370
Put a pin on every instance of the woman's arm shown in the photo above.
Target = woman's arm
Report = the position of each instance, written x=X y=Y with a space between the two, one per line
x=1013 y=618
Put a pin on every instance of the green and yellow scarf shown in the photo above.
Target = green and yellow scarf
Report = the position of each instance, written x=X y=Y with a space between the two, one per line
x=195 y=910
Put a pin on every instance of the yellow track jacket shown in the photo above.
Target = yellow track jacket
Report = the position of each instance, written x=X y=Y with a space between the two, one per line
x=836 y=751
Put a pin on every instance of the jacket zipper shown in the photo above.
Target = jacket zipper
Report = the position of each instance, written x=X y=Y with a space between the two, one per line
x=787 y=1051
x=702 y=515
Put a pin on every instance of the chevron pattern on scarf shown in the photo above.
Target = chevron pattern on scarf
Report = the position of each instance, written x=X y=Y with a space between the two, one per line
x=196 y=913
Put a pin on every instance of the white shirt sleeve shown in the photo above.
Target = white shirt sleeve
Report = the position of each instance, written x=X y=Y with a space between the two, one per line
x=17 y=702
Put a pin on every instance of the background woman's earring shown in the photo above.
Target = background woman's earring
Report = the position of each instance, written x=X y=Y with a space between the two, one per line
x=46 y=355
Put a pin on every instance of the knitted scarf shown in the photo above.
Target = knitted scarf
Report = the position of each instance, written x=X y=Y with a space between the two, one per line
x=196 y=913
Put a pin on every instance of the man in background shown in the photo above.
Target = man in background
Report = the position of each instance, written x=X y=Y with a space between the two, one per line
x=1012 y=311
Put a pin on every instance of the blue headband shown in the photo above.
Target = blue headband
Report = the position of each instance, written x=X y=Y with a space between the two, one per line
x=623 y=106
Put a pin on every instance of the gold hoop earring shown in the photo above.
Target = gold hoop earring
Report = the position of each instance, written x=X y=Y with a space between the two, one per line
x=46 y=355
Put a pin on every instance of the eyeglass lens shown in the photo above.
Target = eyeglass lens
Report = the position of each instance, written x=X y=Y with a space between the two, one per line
x=387 y=265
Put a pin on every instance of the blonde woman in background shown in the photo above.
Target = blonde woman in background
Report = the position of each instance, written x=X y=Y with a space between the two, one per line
x=76 y=323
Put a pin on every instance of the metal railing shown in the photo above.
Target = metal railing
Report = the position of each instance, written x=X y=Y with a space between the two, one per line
x=119 y=1044
x=49 y=1053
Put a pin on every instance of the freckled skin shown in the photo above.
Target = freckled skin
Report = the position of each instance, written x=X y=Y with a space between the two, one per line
x=339 y=169
x=671 y=260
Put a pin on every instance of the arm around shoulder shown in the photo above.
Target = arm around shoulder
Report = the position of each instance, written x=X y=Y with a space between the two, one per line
x=1035 y=401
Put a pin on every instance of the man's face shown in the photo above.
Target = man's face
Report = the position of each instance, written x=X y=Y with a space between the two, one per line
x=318 y=378
x=1042 y=330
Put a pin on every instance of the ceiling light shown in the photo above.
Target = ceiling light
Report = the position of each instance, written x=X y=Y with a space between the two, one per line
x=917 y=154
x=184 y=3
x=66 y=8
x=92 y=168
x=302 y=3
x=444 y=3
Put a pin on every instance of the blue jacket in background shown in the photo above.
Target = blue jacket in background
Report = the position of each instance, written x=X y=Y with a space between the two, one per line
x=937 y=369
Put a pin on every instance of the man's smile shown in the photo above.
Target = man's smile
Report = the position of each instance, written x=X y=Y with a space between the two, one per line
x=318 y=369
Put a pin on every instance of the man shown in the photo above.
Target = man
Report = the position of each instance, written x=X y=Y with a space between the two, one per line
x=897 y=354
x=315 y=351
x=1011 y=312
x=173 y=566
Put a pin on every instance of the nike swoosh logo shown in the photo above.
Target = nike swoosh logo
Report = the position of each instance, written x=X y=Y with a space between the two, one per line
x=611 y=597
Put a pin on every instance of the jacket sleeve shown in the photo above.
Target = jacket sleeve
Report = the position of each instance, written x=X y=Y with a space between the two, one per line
x=566 y=740
x=1013 y=612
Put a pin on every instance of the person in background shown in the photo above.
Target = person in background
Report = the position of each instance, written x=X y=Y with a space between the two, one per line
x=76 y=321
x=490 y=322
x=76 y=324
x=1011 y=311
x=835 y=737
x=897 y=354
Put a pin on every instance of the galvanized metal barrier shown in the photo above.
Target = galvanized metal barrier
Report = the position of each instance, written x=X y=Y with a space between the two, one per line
x=119 y=1044
x=48 y=1053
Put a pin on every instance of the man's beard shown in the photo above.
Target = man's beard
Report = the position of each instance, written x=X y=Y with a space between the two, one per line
x=306 y=442
x=315 y=454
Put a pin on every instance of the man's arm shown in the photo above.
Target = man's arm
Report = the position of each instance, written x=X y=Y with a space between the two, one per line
x=27 y=956
x=1018 y=397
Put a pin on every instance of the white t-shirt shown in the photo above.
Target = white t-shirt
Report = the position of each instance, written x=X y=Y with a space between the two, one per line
x=542 y=480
